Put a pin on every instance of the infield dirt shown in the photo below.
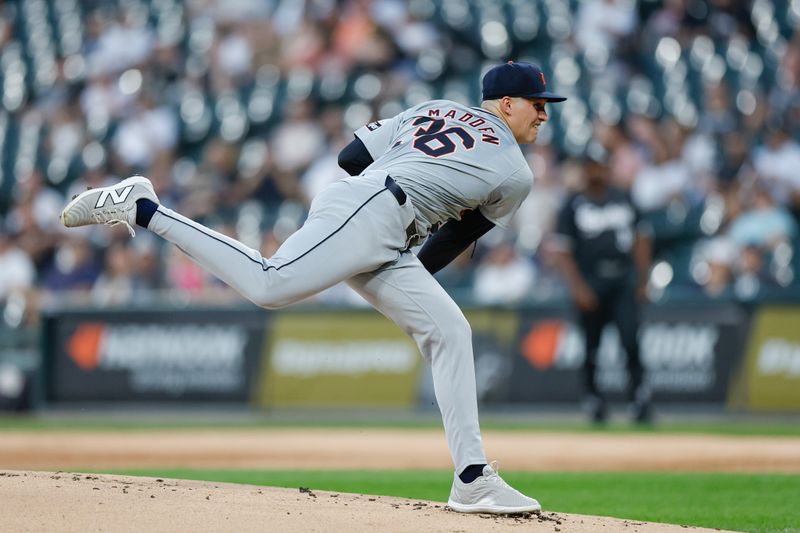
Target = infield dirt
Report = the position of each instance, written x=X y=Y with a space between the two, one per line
x=392 y=449
x=69 y=501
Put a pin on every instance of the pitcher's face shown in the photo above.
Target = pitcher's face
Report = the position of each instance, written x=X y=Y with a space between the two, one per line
x=527 y=115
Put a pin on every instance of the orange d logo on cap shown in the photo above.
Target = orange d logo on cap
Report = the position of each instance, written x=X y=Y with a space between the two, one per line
x=517 y=79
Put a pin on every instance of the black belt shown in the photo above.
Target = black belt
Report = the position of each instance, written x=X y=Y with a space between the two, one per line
x=395 y=189
x=401 y=198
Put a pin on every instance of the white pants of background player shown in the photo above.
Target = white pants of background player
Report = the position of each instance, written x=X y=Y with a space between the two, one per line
x=355 y=232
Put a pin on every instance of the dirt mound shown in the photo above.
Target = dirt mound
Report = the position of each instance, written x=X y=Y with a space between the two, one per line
x=63 y=501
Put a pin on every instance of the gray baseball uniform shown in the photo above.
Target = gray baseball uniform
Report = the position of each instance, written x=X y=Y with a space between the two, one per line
x=447 y=158
x=450 y=158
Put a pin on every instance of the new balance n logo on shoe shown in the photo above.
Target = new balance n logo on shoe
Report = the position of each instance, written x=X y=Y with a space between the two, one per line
x=117 y=197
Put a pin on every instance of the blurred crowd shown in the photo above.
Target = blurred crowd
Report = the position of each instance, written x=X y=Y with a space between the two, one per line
x=236 y=111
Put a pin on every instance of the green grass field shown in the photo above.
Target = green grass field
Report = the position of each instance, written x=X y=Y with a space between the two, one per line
x=740 y=502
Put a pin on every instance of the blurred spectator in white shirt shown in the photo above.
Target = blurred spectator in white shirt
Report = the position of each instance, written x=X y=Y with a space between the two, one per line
x=233 y=54
x=660 y=181
x=714 y=271
x=45 y=202
x=116 y=283
x=123 y=43
x=536 y=214
x=602 y=23
x=298 y=140
x=142 y=136
x=65 y=139
x=504 y=277
x=763 y=223
x=325 y=169
x=35 y=218
x=777 y=161
x=625 y=159
x=16 y=268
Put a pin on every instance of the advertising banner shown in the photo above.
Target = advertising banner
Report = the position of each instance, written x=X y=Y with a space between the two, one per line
x=689 y=355
x=358 y=358
x=338 y=359
x=772 y=379
x=190 y=355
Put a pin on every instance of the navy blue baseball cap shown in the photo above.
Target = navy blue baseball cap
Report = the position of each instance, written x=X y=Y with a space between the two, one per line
x=517 y=79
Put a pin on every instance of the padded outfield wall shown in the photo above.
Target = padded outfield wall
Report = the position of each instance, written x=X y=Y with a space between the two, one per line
x=744 y=359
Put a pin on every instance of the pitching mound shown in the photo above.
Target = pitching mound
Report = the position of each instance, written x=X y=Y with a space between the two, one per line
x=62 y=501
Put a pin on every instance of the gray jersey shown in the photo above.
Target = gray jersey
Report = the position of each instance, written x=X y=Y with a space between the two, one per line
x=450 y=158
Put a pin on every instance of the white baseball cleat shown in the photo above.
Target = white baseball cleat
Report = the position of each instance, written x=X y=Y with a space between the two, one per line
x=109 y=205
x=489 y=494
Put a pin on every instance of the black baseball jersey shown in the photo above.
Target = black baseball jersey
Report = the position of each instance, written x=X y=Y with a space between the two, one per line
x=600 y=233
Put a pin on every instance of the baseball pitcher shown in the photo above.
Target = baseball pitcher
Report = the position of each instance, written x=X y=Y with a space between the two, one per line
x=439 y=172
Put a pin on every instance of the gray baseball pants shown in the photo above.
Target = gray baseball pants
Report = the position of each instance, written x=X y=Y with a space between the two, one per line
x=355 y=232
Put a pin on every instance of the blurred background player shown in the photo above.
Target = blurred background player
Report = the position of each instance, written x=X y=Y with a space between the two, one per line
x=604 y=250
